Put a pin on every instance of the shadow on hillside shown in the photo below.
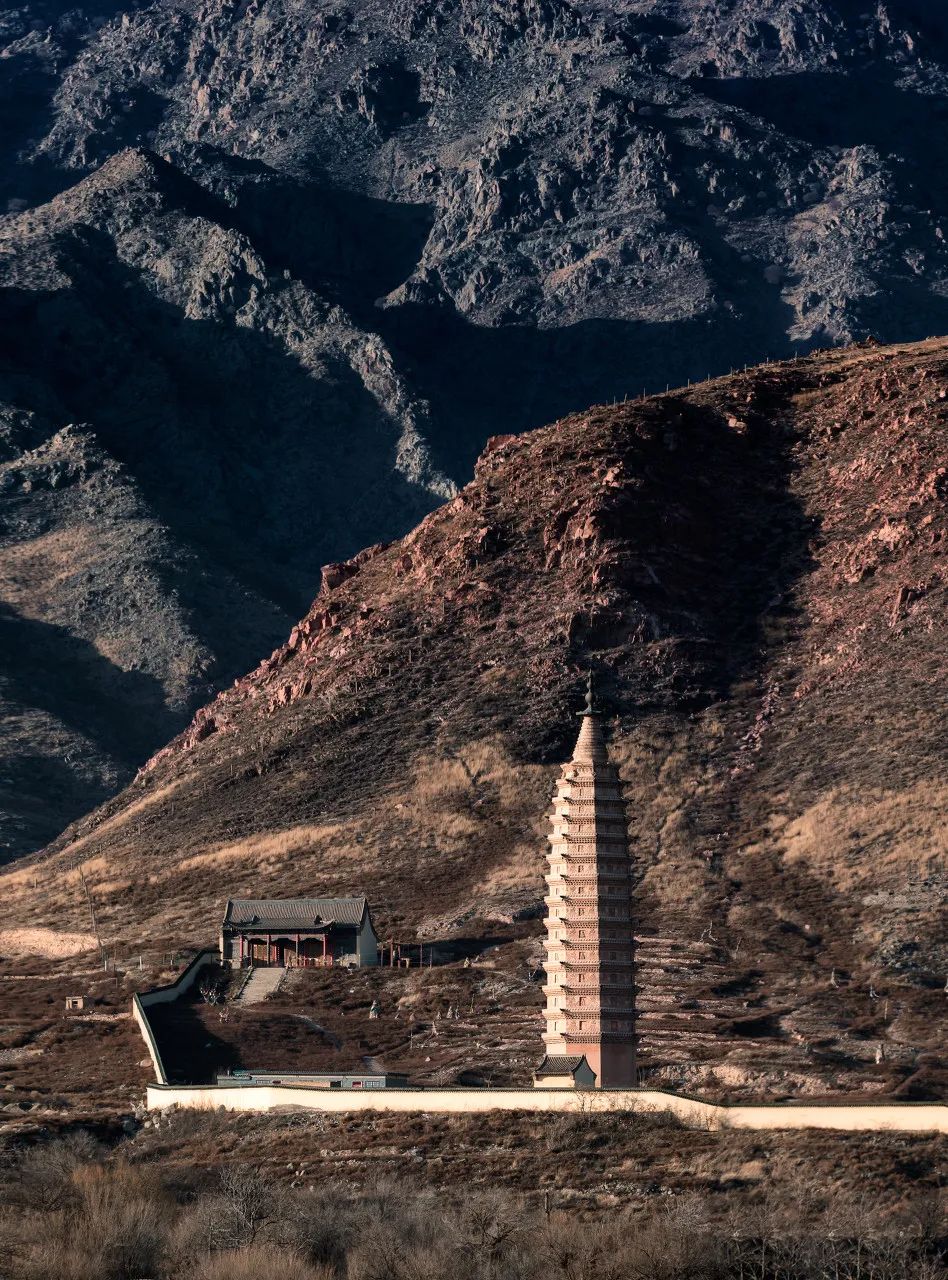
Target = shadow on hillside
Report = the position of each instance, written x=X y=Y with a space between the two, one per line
x=121 y=715
x=269 y=467
x=40 y=795
x=60 y=673
x=190 y=1052
x=353 y=247
x=825 y=108
x=482 y=380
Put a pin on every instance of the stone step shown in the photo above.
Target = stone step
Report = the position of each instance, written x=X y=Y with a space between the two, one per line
x=261 y=984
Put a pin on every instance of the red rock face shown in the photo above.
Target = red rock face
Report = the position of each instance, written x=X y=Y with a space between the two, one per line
x=755 y=570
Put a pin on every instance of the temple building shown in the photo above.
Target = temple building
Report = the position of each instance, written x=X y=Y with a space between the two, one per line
x=590 y=945
x=298 y=932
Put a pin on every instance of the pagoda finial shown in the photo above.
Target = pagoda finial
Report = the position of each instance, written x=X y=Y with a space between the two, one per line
x=590 y=708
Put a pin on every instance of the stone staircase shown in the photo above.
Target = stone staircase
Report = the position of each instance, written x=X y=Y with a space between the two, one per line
x=261 y=984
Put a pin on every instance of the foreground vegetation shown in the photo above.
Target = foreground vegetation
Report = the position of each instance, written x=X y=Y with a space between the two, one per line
x=72 y=1210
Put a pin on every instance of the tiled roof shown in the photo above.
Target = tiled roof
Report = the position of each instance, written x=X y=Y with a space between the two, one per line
x=293 y=913
x=559 y=1064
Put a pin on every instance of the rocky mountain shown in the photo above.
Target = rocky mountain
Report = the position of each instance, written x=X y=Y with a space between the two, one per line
x=755 y=571
x=199 y=431
x=279 y=270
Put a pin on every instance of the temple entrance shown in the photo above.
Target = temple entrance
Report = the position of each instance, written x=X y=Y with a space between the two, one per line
x=313 y=952
x=289 y=953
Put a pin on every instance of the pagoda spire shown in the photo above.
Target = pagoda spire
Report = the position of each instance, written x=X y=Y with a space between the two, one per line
x=590 y=745
x=590 y=708
x=590 y=987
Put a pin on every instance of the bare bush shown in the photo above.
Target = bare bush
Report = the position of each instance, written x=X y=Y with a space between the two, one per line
x=114 y=1228
x=45 y=1172
x=258 y=1263
x=319 y=1226
x=98 y=1218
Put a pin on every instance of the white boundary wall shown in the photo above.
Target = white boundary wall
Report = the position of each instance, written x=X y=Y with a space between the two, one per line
x=917 y=1117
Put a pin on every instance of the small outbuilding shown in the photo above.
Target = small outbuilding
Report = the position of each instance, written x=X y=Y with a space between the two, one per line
x=298 y=932
x=318 y=1079
x=559 y=1071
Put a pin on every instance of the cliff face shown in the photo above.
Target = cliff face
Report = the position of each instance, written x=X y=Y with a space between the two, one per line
x=754 y=569
x=325 y=254
x=546 y=164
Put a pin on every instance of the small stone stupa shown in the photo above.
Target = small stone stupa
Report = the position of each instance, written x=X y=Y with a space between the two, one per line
x=590 y=976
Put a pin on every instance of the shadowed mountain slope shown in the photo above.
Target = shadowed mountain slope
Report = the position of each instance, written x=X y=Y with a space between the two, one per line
x=236 y=429
x=326 y=251
x=754 y=569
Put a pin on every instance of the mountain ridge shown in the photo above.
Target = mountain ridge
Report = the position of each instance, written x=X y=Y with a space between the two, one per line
x=292 y=268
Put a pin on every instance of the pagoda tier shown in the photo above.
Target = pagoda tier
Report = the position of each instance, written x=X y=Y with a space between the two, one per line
x=590 y=945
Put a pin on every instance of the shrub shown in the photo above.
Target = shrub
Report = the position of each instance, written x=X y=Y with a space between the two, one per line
x=46 y=1172
x=258 y=1262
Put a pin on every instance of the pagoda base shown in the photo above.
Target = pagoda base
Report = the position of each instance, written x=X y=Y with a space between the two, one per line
x=614 y=1064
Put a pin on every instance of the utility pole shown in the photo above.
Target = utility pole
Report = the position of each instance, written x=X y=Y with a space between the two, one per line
x=91 y=905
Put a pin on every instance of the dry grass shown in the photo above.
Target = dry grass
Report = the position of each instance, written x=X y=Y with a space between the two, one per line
x=121 y=821
x=810 y=399
x=32 y=572
x=526 y=865
x=286 y=862
x=113 y=888
x=451 y=797
x=272 y=847
x=77 y=1212
x=259 y=1262
x=44 y=942
x=871 y=837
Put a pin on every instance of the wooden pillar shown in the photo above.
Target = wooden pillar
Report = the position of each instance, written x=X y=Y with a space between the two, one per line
x=325 y=945
x=269 y=948
x=297 y=951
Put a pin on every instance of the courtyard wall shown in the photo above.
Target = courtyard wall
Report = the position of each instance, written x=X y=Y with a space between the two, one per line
x=166 y=995
x=917 y=1117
